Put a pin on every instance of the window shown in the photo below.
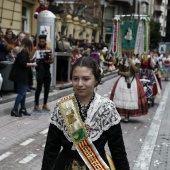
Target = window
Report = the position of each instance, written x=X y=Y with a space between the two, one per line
x=26 y=17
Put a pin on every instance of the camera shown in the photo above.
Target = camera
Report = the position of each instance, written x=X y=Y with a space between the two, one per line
x=45 y=55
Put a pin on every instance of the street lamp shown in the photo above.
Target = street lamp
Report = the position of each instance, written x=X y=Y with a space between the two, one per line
x=102 y=23
x=103 y=5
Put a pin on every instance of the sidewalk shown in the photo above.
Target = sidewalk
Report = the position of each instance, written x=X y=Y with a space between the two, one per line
x=7 y=101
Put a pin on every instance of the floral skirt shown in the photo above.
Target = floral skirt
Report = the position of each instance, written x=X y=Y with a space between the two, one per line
x=141 y=101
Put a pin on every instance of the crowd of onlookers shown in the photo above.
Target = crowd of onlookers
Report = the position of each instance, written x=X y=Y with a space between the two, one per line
x=9 y=43
x=9 y=46
x=79 y=48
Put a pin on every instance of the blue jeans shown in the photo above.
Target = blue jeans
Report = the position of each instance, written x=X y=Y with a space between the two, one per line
x=20 y=98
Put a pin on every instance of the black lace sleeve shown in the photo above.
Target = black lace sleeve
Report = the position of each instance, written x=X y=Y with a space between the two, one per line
x=117 y=148
x=52 y=148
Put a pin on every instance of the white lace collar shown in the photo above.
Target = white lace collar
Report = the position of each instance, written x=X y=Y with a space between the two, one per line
x=135 y=61
x=101 y=115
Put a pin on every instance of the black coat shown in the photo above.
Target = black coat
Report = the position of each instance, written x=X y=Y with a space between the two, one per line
x=56 y=160
x=19 y=71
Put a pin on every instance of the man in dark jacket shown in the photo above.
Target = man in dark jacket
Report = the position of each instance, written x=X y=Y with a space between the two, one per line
x=3 y=48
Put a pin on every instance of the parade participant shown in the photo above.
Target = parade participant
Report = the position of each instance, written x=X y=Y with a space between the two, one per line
x=157 y=68
x=128 y=93
x=19 y=74
x=166 y=66
x=41 y=8
x=44 y=57
x=87 y=118
x=148 y=66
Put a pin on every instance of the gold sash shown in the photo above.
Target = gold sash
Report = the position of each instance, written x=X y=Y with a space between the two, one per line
x=78 y=134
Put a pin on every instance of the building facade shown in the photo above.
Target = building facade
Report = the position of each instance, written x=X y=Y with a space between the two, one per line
x=19 y=15
x=159 y=14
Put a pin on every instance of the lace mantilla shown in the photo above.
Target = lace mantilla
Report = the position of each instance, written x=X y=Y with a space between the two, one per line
x=101 y=115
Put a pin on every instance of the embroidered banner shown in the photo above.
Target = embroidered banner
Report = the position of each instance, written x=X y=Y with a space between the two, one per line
x=129 y=30
x=139 y=37
x=132 y=38
x=115 y=36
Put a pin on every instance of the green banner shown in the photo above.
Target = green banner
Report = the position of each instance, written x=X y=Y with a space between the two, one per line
x=129 y=31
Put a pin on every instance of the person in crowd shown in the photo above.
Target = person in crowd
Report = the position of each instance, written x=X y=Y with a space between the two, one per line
x=20 y=37
x=62 y=64
x=44 y=58
x=19 y=74
x=41 y=8
x=128 y=93
x=33 y=39
x=17 y=44
x=71 y=40
x=1 y=34
x=86 y=53
x=95 y=55
x=75 y=55
x=87 y=118
x=9 y=40
x=166 y=66
x=104 y=59
x=84 y=44
x=4 y=50
x=56 y=43
x=64 y=45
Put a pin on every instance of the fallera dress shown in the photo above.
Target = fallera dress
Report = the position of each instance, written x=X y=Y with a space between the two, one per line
x=104 y=122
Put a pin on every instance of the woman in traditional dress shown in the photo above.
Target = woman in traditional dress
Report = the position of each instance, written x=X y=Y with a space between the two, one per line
x=128 y=93
x=166 y=66
x=148 y=65
x=82 y=124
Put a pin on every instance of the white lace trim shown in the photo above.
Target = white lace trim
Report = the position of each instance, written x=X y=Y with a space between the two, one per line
x=101 y=115
x=134 y=61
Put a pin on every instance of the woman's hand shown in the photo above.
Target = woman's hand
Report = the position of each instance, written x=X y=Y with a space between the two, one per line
x=32 y=64
x=127 y=73
x=130 y=61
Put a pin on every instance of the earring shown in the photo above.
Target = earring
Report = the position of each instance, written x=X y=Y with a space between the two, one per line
x=96 y=88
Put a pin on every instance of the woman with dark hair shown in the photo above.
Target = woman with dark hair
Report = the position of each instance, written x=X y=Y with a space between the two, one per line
x=19 y=74
x=81 y=125
x=9 y=40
